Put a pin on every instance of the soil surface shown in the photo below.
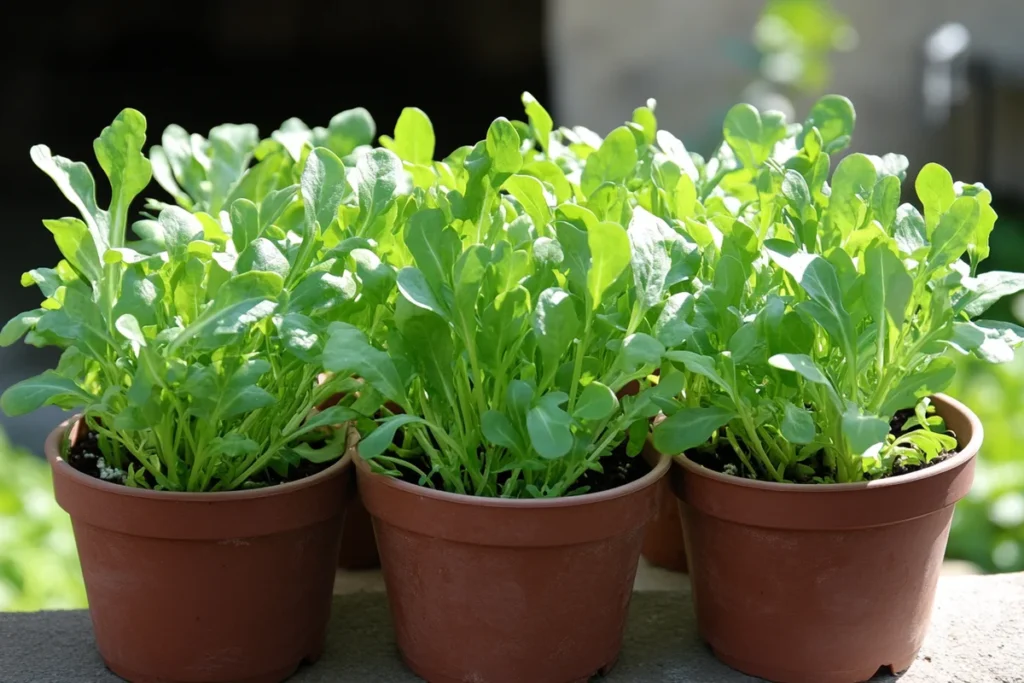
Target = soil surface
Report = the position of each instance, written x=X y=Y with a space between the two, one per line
x=618 y=470
x=86 y=457
x=720 y=457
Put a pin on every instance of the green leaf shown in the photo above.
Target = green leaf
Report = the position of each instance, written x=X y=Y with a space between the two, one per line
x=329 y=451
x=797 y=425
x=834 y=117
x=348 y=350
x=75 y=182
x=379 y=440
x=539 y=119
x=530 y=193
x=245 y=224
x=596 y=402
x=230 y=150
x=498 y=429
x=414 y=287
x=609 y=255
x=888 y=286
x=909 y=230
x=987 y=289
x=555 y=325
x=128 y=326
x=688 y=428
x=119 y=152
x=301 y=337
x=46 y=389
x=818 y=278
x=641 y=349
x=503 y=147
x=414 y=137
x=645 y=118
x=323 y=185
x=333 y=417
x=244 y=400
x=379 y=179
x=863 y=431
x=549 y=427
x=77 y=246
x=613 y=162
x=649 y=256
x=263 y=255
x=16 y=327
x=673 y=325
x=800 y=364
x=700 y=365
x=885 y=200
x=954 y=232
x=181 y=227
x=852 y=184
x=222 y=327
x=350 y=129
x=433 y=245
x=934 y=187
x=743 y=131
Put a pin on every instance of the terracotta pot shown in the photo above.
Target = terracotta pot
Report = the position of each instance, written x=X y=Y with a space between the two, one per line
x=663 y=538
x=491 y=590
x=206 y=587
x=803 y=583
x=358 y=545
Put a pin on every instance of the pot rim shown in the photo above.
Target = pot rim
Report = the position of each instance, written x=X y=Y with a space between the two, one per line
x=658 y=470
x=967 y=452
x=53 y=450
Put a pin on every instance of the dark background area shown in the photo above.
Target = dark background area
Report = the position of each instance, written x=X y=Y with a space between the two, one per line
x=67 y=68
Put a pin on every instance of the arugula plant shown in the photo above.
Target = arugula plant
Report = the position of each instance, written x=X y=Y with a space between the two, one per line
x=831 y=307
x=194 y=352
x=523 y=329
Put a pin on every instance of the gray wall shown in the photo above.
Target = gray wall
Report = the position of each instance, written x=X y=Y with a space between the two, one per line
x=607 y=56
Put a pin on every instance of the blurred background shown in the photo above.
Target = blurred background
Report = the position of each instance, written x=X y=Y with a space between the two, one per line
x=936 y=80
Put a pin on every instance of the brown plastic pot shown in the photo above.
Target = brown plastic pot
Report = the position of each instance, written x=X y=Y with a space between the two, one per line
x=663 y=538
x=206 y=587
x=492 y=590
x=803 y=583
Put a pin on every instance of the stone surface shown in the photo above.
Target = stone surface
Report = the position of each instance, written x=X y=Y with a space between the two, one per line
x=976 y=637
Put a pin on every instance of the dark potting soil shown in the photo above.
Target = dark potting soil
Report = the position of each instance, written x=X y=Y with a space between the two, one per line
x=618 y=469
x=86 y=457
x=720 y=457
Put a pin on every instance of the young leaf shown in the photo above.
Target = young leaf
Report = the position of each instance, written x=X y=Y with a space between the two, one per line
x=800 y=364
x=689 y=428
x=503 y=147
x=609 y=256
x=499 y=431
x=414 y=137
x=549 y=428
x=612 y=162
x=797 y=425
x=863 y=431
x=348 y=349
x=555 y=325
x=934 y=187
x=379 y=440
x=596 y=402
x=954 y=232
x=539 y=119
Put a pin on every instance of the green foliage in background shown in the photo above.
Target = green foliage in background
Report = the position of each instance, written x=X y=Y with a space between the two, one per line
x=988 y=527
x=38 y=563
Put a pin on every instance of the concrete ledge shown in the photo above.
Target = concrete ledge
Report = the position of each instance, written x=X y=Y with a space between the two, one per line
x=976 y=637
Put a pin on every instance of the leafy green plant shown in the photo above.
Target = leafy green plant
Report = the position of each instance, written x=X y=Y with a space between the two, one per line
x=194 y=352
x=831 y=307
x=528 y=283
